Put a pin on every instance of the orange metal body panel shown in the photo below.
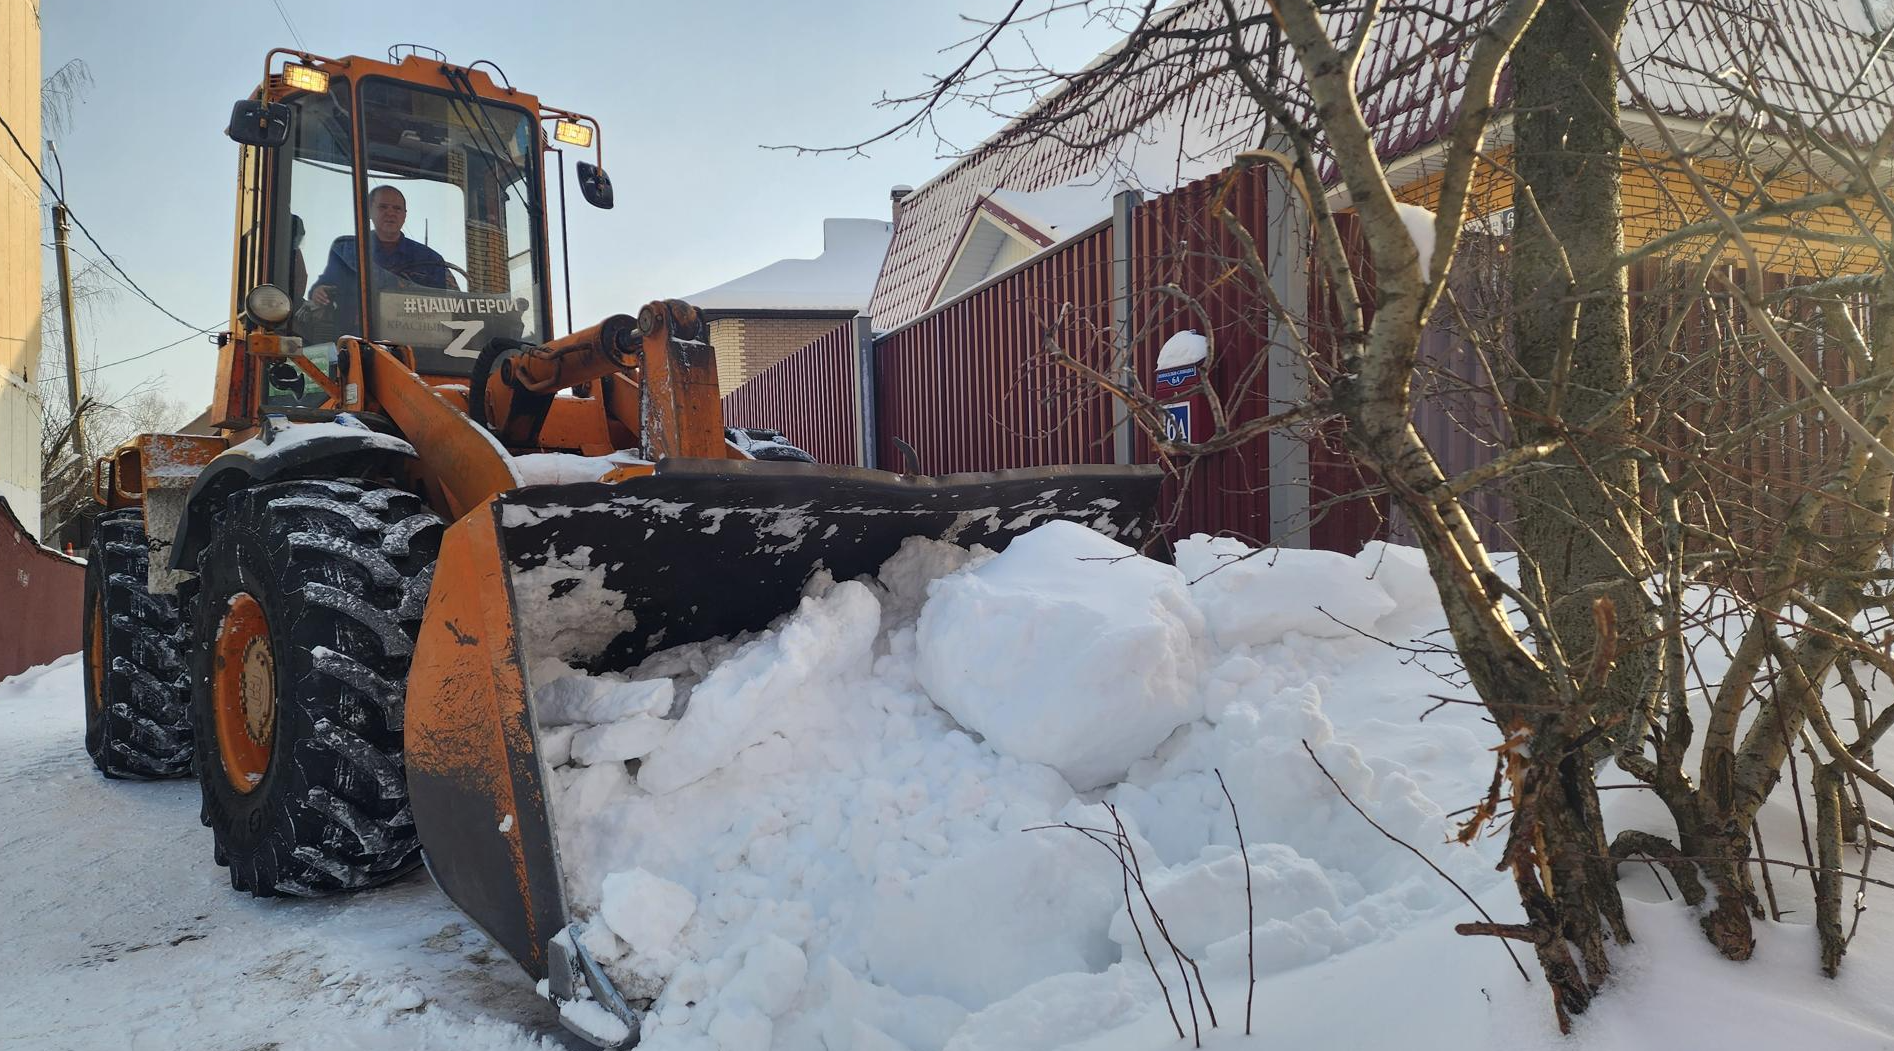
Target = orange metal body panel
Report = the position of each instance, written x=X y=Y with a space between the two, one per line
x=233 y=398
x=629 y=471
x=471 y=753
x=172 y=461
x=414 y=69
x=166 y=461
x=576 y=423
x=460 y=464
x=683 y=411
x=623 y=403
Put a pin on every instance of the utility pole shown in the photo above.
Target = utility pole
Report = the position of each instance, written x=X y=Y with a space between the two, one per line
x=72 y=334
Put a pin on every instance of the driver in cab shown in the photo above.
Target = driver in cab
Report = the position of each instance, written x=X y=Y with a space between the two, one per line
x=396 y=258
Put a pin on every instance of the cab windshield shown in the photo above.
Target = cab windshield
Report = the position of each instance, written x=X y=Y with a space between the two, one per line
x=450 y=207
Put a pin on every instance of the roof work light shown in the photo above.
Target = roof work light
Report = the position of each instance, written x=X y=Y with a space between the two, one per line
x=305 y=78
x=572 y=133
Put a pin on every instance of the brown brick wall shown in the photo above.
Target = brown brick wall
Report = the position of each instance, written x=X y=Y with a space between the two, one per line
x=747 y=346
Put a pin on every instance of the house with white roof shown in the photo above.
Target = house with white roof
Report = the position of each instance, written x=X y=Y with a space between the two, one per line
x=764 y=316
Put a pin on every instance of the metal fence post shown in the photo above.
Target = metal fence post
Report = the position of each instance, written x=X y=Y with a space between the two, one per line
x=1288 y=373
x=1122 y=205
x=866 y=392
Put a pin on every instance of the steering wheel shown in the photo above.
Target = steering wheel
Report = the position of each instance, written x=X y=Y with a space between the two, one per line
x=408 y=272
x=318 y=322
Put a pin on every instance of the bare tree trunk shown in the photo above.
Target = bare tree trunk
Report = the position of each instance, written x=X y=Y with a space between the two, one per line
x=1573 y=343
x=1573 y=338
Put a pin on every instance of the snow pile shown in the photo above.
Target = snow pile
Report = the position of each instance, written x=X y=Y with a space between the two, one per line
x=843 y=832
x=287 y=436
x=1183 y=348
x=787 y=841
x=567 y=468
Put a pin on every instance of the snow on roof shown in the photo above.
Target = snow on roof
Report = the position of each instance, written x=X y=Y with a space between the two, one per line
x=841 y=278
x=1062 y=211
x=1412 y=77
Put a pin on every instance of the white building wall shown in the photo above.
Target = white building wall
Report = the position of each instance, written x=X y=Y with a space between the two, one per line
x=19 y=261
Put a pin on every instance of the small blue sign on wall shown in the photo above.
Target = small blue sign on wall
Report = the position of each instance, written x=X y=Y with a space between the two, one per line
x=1171 y=379
x=1177 y=422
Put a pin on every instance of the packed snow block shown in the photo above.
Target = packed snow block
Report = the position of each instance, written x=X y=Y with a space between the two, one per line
x=624 y=740
x=1254 y=597
x=831 y=638
x=771 y=977
x=1066 y=649
x=1277 y=945
x=1402 y=573
x=984 y=925
x=907 y=576
x=593 y=700
x=591 y=720
x=646 y=911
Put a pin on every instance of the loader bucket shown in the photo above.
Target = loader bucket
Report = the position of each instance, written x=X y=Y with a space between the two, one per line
x=600 y=576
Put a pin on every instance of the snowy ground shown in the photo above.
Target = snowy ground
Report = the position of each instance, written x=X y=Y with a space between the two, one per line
x=119 y=932
x=819 y=843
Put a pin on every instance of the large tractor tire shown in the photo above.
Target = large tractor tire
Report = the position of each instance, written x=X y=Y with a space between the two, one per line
x=310 y=595
x=137 y=710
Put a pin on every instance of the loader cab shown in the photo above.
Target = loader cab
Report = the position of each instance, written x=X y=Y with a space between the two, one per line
x=460 y=262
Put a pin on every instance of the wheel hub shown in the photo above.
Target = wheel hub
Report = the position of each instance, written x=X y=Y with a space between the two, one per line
x=259 y=689
x=97 y=670
x=243 y=692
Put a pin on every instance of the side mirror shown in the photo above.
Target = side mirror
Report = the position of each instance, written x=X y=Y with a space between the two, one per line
x=256 y=123
x=595 y=185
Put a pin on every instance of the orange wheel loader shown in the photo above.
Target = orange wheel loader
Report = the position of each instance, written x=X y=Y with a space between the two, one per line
x=330 y=610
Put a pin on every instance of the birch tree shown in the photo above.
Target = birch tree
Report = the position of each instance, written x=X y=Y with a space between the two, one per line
x=1700 y=470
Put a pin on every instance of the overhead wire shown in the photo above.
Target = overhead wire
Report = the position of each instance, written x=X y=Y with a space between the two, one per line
x=76 y=221
x=145 y=354
x=291 y=26
x=142 y=354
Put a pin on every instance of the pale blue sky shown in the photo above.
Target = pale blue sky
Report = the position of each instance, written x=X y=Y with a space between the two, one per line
x=686 y=94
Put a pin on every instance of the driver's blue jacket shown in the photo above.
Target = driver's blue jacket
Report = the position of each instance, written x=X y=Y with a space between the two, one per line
x=407 y=260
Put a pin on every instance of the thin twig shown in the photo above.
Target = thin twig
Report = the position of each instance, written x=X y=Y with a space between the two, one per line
x=1097 y=835
x=1249 y=894
x=1768 y=885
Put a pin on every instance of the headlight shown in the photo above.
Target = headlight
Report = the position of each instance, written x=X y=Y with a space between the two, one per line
x=268 y=304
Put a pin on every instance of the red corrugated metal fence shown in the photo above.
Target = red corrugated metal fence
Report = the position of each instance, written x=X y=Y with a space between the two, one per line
x=970 y=385
x=1180 y=244
x=41 y=595
x=809 y=396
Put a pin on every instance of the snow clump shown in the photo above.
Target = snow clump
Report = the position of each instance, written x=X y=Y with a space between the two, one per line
x=1253 y=598
x=1029 y=650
